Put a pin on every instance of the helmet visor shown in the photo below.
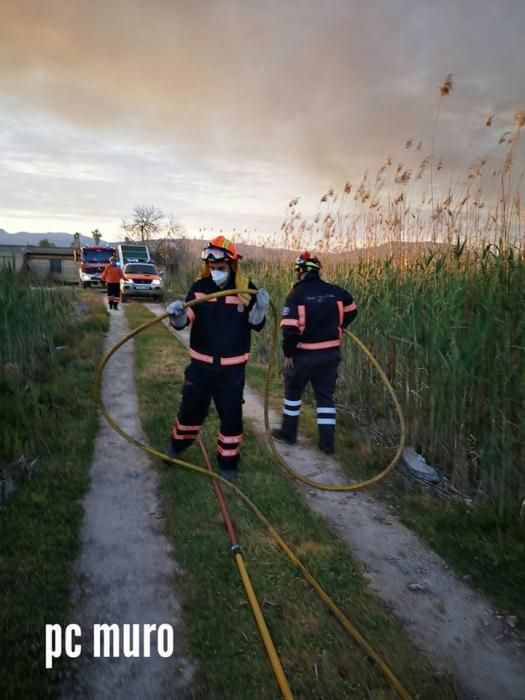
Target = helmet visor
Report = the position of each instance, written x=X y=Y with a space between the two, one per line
x=306 y=265
x=212 y=253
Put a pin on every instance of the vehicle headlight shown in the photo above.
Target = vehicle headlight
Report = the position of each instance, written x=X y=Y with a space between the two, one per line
x=155 y=283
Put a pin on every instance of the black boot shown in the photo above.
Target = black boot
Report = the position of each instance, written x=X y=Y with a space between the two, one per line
x=227 y=467
x=288 y=430
x=327 y=439
x=173 y=451
x=279 y=434
x=228 y=473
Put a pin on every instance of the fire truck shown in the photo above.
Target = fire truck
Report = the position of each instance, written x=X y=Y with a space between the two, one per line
x=93 y=259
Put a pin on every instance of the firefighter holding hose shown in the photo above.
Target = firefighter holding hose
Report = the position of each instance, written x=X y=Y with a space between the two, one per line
x=219 y=350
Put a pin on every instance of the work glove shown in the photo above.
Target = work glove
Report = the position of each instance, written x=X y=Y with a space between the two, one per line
x=177 y=314
x=176 y=308
x=262 y=299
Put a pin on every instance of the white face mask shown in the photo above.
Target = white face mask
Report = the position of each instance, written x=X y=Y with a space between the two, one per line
x=219 y=277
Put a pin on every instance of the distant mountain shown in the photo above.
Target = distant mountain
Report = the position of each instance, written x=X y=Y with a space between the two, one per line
x=193 y=247
x=396 y=250
x=59 y=239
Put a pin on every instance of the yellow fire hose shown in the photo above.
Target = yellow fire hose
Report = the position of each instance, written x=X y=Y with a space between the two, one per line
x=345 y=622
x=264 y=632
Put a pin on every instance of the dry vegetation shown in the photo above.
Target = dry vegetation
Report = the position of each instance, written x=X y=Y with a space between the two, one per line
x=439 y=275
x=416 y=199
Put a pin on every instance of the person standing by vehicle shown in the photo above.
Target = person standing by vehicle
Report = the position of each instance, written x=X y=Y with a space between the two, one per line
x=112 y=274
x=219 y=349
x=313 y=319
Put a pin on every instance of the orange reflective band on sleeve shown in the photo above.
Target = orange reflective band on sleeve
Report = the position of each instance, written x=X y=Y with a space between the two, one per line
x=301 y=313
x=232 y=300
x=341 y=310
x=199 y=295
x=289 y=322
x=351 y=307
x=191 y=314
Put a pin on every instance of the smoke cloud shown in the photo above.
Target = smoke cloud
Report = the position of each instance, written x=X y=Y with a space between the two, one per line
x=320 y=90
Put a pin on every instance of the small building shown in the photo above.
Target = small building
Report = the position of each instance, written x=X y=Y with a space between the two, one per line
x=54 y=263
x=12 y=256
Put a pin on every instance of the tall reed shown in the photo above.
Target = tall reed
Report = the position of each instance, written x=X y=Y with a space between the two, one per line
x=477 y=202
x=31 y=317
x=449 y=330
x=33 y=320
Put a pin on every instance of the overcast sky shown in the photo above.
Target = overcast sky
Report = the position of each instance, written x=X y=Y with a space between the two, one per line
x=220 y=111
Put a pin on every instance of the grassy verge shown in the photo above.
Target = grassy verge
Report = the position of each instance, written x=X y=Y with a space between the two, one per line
x=51 y=416
x=482 y=547
x=319 y=659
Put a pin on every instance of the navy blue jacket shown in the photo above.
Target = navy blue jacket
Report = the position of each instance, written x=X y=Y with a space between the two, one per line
x=314 y=316
x=220 y=332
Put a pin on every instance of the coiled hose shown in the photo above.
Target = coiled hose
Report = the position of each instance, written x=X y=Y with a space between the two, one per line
x=340 y=616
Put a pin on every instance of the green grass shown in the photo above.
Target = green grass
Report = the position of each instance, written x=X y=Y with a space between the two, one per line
x=320 y=660
x=489 y=551
x=450 y=333
x=50 y=414
x=33 y=320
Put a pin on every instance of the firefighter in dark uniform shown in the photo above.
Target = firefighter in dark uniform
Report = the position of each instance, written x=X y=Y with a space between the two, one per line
x=219 y=350
x=313 y=319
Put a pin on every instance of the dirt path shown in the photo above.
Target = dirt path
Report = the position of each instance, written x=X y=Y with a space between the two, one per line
x=456 y=627
x=453 y=625
x=125 y=573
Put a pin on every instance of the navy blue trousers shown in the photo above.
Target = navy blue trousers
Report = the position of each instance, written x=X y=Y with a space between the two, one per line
x=319 y=367
x=113 y=292
x=225 y=385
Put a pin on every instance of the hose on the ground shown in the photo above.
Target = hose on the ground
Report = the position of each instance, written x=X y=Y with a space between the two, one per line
x=264 y=632
x=340 y=616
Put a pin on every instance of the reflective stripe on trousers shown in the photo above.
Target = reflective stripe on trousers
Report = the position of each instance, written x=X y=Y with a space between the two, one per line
x=225 y=386
x=320 y=369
